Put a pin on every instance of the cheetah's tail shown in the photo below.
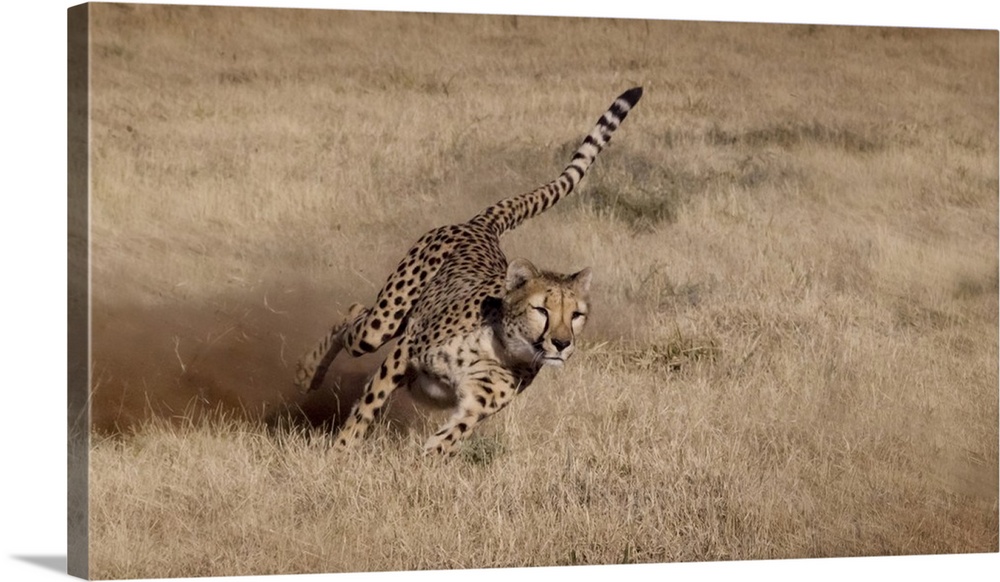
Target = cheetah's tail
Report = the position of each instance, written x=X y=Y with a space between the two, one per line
x=510 y=212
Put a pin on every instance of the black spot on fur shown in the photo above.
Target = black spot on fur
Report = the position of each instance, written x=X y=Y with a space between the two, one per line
x=492 y=309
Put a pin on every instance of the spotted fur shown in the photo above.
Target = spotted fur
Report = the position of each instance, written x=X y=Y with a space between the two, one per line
x=472 y=330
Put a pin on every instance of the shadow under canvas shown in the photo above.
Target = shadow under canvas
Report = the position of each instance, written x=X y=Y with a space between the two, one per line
x=56 y=563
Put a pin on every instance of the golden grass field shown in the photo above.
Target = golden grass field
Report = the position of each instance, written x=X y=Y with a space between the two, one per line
x=793 y=350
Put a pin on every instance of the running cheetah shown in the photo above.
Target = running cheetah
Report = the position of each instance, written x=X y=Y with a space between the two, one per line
x=473 y=331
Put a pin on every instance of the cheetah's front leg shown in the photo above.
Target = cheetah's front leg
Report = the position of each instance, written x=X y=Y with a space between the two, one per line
x=482 y=396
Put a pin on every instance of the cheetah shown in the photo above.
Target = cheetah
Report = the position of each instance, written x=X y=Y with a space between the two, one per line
x=473 y=331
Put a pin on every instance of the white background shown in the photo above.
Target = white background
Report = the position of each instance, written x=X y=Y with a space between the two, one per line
x=33 y=284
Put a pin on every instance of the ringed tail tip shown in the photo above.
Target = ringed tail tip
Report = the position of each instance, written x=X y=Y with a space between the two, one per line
x=632 y=96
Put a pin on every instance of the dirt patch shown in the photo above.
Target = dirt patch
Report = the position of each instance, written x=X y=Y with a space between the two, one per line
x=233 y=354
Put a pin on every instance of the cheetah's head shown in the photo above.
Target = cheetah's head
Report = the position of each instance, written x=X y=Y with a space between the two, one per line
x=543 y=312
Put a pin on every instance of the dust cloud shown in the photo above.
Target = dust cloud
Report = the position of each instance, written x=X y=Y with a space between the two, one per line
x=233 y=355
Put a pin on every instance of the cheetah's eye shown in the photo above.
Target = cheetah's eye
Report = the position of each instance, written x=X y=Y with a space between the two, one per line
x=578 y=314
x=543 y=311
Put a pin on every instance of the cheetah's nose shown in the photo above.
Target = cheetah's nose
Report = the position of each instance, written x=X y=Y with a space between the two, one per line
x=560 y=344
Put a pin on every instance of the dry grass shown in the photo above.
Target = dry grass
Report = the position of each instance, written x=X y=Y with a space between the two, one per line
x=794 y=236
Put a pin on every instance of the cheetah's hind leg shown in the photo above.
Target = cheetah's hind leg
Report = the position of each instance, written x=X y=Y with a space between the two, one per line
x=312 y=367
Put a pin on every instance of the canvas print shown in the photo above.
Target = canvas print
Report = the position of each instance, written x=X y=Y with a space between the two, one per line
x=379 y=291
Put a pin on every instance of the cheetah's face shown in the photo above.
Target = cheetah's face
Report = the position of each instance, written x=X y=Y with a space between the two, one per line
x=544 y=312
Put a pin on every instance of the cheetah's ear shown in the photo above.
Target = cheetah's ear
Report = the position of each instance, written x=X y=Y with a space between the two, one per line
x=581 y=281
x=519 y=272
